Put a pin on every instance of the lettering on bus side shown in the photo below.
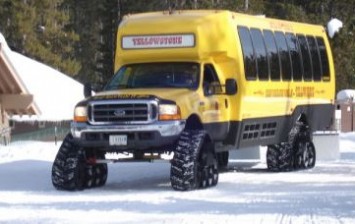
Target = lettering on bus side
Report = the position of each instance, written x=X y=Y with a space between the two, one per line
x=299 y=91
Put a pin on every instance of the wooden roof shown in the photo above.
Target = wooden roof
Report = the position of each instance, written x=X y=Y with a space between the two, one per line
x=14 y=97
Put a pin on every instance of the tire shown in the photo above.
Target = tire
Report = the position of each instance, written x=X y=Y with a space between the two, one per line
x=311 y=155
x=96 y=175
x=279 y=157
x=194 y=164
x=68 y=170
x=297 y=153
x=272 y=157
x=222 y=158
x=208 y=167
x=304 y=151
x=102 y=174
x=283 y=156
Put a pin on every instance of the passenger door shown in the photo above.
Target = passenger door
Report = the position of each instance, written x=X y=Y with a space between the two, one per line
x=214 y=106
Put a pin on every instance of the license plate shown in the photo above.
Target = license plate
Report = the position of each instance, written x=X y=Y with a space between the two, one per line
x=118 y=139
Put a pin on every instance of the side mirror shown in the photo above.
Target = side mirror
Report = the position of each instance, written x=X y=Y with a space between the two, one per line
x=231 y=87
x=87 y=90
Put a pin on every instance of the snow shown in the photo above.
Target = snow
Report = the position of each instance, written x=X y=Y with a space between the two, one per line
x=141 y=192
x=55 y=93
x=333 y=26
x=346 y=95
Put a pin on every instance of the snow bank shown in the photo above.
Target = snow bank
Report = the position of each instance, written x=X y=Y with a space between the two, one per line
x=346 y=95
x=141 y=192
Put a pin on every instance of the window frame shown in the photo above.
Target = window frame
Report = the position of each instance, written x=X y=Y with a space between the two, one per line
x=296 y=58
x=252 y=62
x=262 y=66
x=270 y=57
x=306 y=57
x=315 y=56
x=325 y=76
x=286 y=55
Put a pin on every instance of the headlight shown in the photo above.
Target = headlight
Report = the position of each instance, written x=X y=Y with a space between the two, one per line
x=80 y=114
x=169 y=112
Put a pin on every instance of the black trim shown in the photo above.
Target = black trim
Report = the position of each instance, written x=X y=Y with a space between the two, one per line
x=262 y=131
x=273 y=130
x=217 y=131
x=145 y=141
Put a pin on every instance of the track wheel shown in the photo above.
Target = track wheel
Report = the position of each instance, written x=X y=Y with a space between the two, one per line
x=310 y=160
x=68 y=169
x=306 y=157
x=101 y=174
x=208 y=168
x=194 y=163
x=279 y=157
x=96 y=175
x=301 y=157
x=272 y=157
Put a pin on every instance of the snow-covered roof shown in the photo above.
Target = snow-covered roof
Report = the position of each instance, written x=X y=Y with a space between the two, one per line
x=346 y=95
x=55 y=93
x=14 y=95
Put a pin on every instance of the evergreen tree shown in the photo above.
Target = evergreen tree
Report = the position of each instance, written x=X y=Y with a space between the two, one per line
x=79 y=36
x=84 y=20
x=39 y=29
x=109 y=20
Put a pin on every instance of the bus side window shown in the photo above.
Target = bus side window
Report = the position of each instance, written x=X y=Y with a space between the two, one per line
x=324 y=59
x=286 y=66
x=273 y=55
x=260 y=52
x=295 y=56
x=306 y=58
x=248 y=53
x=317 y=69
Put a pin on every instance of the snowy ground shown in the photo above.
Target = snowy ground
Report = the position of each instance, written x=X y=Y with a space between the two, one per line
x=141 y=193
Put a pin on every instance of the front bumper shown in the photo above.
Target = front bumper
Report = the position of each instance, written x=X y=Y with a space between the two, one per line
x=146 y=136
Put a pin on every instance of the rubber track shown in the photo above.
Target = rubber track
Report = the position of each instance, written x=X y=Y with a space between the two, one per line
x=285 y=156
x=183 y=173
x=189 y=166
x=67 y=169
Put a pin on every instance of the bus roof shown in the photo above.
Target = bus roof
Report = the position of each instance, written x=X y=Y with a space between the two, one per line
x=194 y=34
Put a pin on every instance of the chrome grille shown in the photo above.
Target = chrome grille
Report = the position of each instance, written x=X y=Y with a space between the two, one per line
x=113 y=112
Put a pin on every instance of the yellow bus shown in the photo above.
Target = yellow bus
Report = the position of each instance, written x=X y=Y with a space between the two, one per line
x=200 y=83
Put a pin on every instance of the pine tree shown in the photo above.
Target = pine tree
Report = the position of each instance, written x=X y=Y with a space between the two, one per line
x=39 y=29
x=109 y=19
x=79 y=36
x=84 y=20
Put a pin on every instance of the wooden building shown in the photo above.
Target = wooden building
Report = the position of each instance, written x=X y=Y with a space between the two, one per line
x=14 y=96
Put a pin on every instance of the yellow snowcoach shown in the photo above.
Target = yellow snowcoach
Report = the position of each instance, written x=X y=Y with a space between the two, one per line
x=198 y=84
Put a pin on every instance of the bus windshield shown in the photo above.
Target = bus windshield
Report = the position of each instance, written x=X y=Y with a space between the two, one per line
x=156 y=75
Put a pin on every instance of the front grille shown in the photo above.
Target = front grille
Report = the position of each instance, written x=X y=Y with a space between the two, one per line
x=124 y=112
